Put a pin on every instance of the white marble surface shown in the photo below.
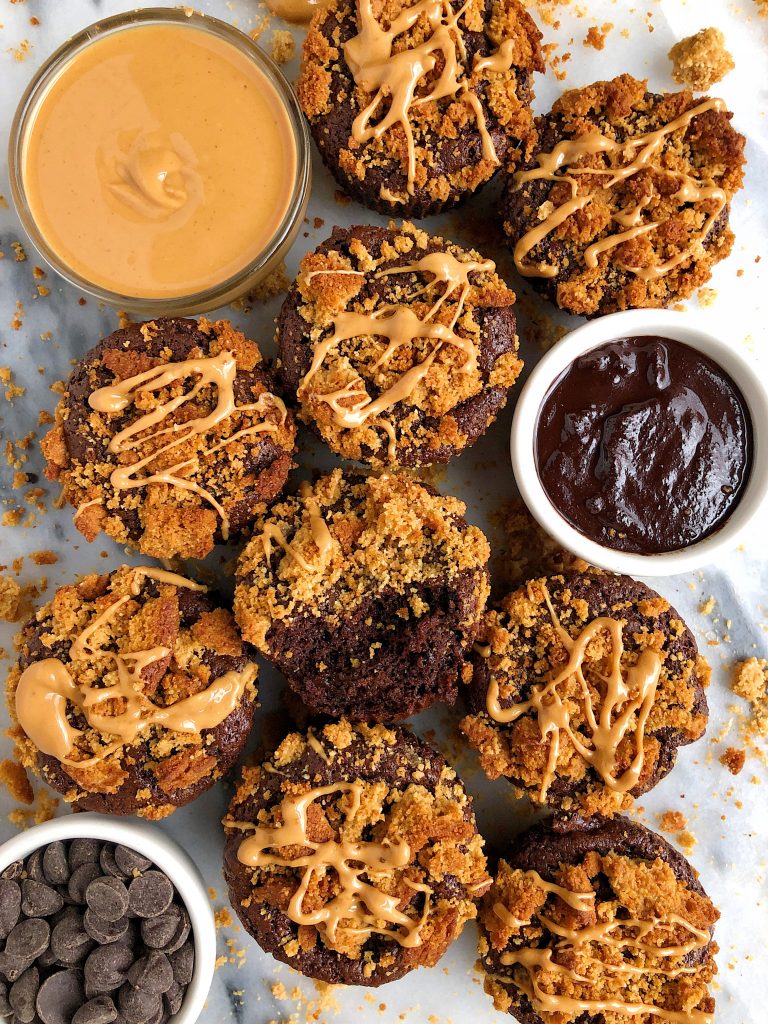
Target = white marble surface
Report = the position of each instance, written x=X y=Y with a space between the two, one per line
x=729 y=817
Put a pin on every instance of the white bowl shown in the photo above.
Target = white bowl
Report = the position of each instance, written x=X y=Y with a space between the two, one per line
x=167 y=855
x=683 y=327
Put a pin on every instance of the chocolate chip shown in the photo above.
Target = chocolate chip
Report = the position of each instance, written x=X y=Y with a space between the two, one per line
x=182 y=933
x=13 y=870
x=102 y=931
x=81 y=878
x=107 y=967
x=137 y=1005
x=107 y=897
x=69 y=940
x=34 y=866
x=83 y=851
x=60 y=997
x=150 y=894
x=100 y=1010
x=39 y=900
x=183 y=962
x=129 y=861
x=10 y=905
x=23 y=994
x=172 y=999
x=108 y=863
x=12 y=967
x=55 y=864
x=28 y=939
x=5 y=1007
x=159 y=932
x=152 y=973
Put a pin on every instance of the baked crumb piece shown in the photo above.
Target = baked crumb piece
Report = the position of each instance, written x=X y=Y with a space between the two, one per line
x=15 y=779
x=672 y=821
x=282 y=46
x=733 y=759
x=701 y=60
x=10 y=599
x=750 y=681
x=596 y=37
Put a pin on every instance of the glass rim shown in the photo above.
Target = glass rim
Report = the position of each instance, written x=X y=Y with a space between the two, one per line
x=236 y=283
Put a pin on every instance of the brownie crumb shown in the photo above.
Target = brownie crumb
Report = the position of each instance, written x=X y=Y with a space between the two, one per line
x=701 y=60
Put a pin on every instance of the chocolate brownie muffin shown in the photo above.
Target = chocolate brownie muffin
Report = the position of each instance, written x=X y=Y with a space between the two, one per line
x=133 y=693
x=353 y=855
x=625 y=201
x=581 y=687
x=400 y=347
x=170 y=437
x=598 y=922
x=365 y=592
x=414 y=105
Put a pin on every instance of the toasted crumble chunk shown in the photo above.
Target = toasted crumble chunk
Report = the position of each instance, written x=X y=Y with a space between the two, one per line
x=733 y=759
x=10 y=598
x=701 y=60
x=282 y=46
x=750 y=681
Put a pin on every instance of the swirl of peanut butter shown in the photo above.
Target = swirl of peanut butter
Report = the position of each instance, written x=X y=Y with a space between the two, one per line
x=359 y=908
x=394 y=75
x=351 y=404
x=624 y=706
x=219 y=371
x=46 y=689
x=542 y=971
x=631 y=155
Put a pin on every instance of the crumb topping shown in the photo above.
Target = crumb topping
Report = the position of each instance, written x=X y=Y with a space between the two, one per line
x=701 y=60
x=387 y=533
x=391 y=88
x=609 y=936
x=399 y=337
x=374 y=807
x=158 y=452
x=626 y=201
x=557 y=751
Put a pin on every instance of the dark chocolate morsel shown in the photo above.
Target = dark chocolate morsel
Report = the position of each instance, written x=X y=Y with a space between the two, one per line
x=56 y=864
x=99 y=1010
x=152 y=973
x=102 y=931
x=137 y=1005
x=107 y=967
x=10 y=905
x=60 y=997
x=107 y=897
x=23 y=994
x=28 y=939
x=83 y=851
x=150 y=894
x=39 y=900
x=129 y=861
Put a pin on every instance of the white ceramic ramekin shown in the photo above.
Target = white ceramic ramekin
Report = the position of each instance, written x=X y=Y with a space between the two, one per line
x=684 y=327
x=167 y=855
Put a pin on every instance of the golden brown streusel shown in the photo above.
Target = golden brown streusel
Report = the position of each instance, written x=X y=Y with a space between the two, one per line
x=701 y=60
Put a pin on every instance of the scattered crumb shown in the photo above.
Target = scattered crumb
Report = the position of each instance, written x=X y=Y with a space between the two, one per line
x=282 y=46
x=10 y=599
x=733 y=759
x=708 y=606
x=595 y=36
x=707 y=297
x=261 y=24
x=274 y=284
x=14 y=778
x=223 y=918
x=672 y=821
x=750 y=681
x=44 y=809
x=701 y=60
x=18 y=252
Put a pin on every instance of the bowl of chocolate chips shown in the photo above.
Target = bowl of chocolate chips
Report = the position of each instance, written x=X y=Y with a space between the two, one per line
x=101 y=921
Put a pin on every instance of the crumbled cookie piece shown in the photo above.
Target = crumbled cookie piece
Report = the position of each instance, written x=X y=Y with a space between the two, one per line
x=282 y=46
x=701 y=60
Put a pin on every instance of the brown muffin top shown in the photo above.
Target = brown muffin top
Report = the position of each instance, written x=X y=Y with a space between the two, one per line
x=129 y=675
x=625 y=201
x=416 y=102
x=609 y=936
x=400 y=346
x=356 y=847
x=323 y=552
x=581 y=688
x=169 y=437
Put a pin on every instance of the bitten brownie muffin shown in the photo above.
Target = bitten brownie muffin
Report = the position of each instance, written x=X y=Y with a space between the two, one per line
x=365 y=592
x=400 y=347
x=414 y=105
x=170 y=437
x=353 y=854
x=581 y=687
x=625 y=201
x=133 y=693
x=598 y=922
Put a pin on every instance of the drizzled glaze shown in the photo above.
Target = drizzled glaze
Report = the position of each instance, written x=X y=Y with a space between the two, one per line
x=218 y=371
x=393 y=77
x=359 y=908
x=642 y=149
x=351 y=405
x=625 y=703
x=575 y=945
x=321 y=535
x=46 y=687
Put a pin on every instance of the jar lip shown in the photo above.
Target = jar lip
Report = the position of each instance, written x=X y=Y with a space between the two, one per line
x=226 y=289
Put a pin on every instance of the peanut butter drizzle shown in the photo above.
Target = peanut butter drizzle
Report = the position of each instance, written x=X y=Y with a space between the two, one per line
x=644 y=148
x=219 y=371
x=46 y=687
x=400 y=326
x=575 y=942
x=321 y=535
x=359 y=908
x=624 y=702
x=393 y=77
x=297 y=12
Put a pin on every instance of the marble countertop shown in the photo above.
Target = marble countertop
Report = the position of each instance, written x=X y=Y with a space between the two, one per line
x=44 y=324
